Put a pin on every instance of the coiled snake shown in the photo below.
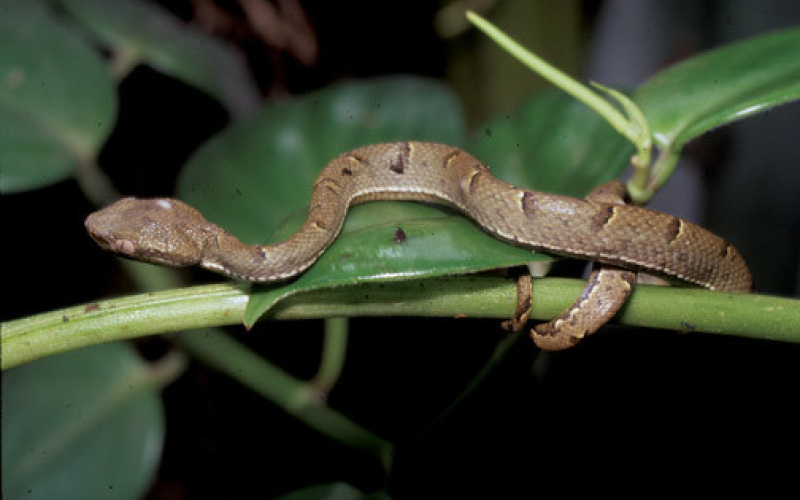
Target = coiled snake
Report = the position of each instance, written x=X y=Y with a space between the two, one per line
x=600 y=228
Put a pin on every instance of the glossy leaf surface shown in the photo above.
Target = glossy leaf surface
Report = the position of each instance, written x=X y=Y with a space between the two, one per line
x=265 y=168
x=145 y=31
x=395 y=241
x=256 y=173
x=85 y=424
x=552 y=143
x=57 y=103
x=722 y=85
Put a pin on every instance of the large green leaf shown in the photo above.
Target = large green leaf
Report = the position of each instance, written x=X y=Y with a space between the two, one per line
x=85 y=424
x=552 y=143
x=395 y=241
x=252 y=176
x=721 y=86
x=57 y=103
x=140 y=29
x=256 y=173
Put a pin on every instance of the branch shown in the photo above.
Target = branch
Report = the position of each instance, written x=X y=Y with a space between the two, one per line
x=683 y=309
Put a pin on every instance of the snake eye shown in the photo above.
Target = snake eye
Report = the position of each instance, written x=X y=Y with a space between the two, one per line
x=126 y=247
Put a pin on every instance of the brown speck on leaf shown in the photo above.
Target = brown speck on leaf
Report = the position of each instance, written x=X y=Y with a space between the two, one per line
x=460 y=316
x=64 y=318
x=94 y=306
x=399 y=236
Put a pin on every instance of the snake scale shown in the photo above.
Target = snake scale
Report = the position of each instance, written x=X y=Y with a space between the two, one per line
x=601 y=228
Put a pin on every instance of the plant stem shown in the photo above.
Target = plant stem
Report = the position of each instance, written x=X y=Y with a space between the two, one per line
x=663 y=167
x=33 y=337
x=634 y=127
x=555 y=76
x=683 y=309
x=302 y=400
x=333 y=354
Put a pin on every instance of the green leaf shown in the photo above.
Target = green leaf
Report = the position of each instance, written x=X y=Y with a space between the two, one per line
x=552 y=143
x=720 y=86
x=57 y=104
x=255 y=174
x=85 y=424
x=395 y=241
x=142 y=30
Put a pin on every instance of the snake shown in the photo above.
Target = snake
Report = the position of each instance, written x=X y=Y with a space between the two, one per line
x=621 y=239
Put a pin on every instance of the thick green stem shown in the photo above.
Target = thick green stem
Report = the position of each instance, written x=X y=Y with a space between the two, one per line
x=683 y=309
x=33 y=337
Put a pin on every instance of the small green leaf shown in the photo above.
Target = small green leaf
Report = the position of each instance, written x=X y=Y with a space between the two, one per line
x=57 y=104
x=84 y=424
x=148 y=32
x=552 y=143
x=720 y=86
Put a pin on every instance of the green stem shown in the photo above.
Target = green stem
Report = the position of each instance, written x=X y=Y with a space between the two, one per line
x=300 y=399
x=683 y=309
x=134 y=316
x=634 y=127
x=555 y=76
x=662 y=169
x=124 y=59
x=498 y=355
x=95 y=185
x=171 y=366
x=333 y=354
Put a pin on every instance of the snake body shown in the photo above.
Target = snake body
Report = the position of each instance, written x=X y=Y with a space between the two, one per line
x=167 y=231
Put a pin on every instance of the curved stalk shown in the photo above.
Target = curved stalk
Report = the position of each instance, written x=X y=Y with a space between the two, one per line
x=682 y=309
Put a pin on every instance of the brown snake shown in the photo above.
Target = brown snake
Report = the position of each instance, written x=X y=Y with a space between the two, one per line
x=599 y=228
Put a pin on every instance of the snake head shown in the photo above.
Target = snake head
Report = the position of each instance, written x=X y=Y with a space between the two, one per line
x=158 y=230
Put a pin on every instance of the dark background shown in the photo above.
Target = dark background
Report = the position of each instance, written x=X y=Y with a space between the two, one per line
x=626 y=404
